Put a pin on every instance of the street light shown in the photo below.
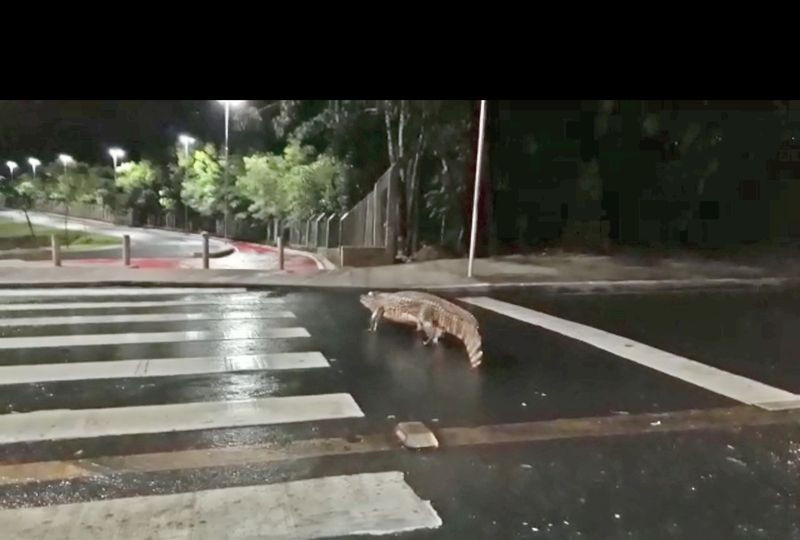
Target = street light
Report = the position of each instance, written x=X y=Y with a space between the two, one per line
x=33 y=162
x=186 y=141
x=11 y=166
x=116 y=153
x=228 y=103
x=65 y=160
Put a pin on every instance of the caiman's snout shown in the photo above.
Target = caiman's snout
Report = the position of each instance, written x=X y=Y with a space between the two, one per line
x=368 y=299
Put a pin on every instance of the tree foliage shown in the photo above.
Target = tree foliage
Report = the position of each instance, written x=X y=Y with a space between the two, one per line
x=202 y=186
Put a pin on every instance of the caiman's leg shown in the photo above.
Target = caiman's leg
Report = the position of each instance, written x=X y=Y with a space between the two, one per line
x=437 y=334
x=424 y=321
x=430 y=333
x=375 y=319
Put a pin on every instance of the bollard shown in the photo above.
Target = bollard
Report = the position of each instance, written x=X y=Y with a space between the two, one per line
x=205 y=250
x=56 y=244
x=280 y=252
x=126 y=250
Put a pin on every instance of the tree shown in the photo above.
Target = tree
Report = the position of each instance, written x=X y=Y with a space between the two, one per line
x=25 y=191
x=314 y=185
x=261 y=183
x=141 y=182
x=202 y=187
x=296 y=184
x=106 y=192
x=70 y=185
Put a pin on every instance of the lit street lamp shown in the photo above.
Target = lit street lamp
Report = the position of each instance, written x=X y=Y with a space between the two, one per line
x=186 y=140
x=11 y=166
x=228 y=103
x=33 y=162
x=116 y=153
x=65 y=160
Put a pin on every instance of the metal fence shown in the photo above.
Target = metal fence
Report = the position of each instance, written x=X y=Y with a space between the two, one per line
x=367 y=223
x=372 y=222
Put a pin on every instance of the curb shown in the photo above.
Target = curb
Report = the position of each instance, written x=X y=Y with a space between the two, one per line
x=215 y=254
x=564 y=286
x=643 y=285
x=317 y=260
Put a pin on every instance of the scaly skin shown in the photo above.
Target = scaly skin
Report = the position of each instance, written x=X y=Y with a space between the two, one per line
x=435 y=316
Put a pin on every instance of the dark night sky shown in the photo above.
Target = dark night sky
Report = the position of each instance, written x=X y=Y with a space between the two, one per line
x=86 y=129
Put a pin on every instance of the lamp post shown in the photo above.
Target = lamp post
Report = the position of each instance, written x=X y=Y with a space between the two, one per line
x=11 y=166
x=65 y=160
x=476 y=194
x=227 y=103
x=116 y=153
x=33 y=162
x=186 y=140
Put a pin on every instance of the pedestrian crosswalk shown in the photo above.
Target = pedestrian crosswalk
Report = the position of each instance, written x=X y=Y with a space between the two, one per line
x=125 y=337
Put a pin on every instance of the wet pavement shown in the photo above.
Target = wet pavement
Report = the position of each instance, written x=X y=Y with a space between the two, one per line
x=144 y=242
x=739 y=482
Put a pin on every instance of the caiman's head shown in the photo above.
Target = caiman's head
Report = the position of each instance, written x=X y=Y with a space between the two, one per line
x=371 y=300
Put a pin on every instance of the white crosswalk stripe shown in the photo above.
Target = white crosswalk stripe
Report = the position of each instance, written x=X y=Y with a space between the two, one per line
x=144 y=318
x=160 y=367
x=148 y=337
x=69 y=424
x=112 y=291
x=208 y=301
x=358 y=504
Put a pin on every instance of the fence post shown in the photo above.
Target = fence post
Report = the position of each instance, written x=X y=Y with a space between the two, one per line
x=56 y=246
x=375 y=217
x=126 y=250
x=391 y=213
x=329 y=234
x=280 y=251
x=205 y=250
x=341 y=228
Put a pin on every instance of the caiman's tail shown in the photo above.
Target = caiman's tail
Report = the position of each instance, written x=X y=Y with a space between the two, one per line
x=472 y=341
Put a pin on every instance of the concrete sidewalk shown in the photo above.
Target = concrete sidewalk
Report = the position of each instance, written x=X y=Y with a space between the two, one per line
x=584 y=272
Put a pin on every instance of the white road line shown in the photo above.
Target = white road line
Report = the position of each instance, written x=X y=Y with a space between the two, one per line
x=359 y=504
x=145 y=317
x=227 y=300
x=79 y=423
x=113 y=291
x=716 y=380
x=244 y=331
x=113 y=369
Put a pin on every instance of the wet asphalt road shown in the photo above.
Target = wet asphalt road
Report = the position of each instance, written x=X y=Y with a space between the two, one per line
x=704 y=484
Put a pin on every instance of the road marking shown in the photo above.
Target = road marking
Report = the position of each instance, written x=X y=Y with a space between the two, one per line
x=358 y=504
x=609 y=285
x=729 y=418
x=716 y=380
x=80 y=423
x=46 y=306
x=114 y=291
x=145 y=318
x=113 y=369
x=245 y=331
